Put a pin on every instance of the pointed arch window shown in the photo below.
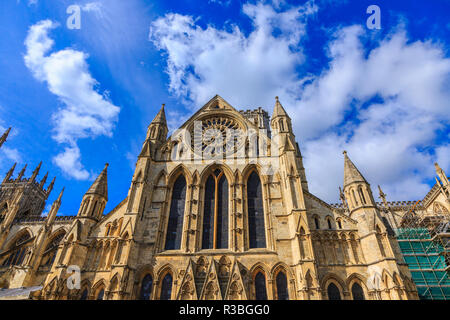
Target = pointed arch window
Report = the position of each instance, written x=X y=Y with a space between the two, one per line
x=329 y=223
x=357 y=292
x=316 y=222
x=146 y=288
x=175 y=225
x=333 y=292
x=101 y=294
x=166 y=287
x=260 y=287
x=49 y=254
x=255 y=209
x=19 y=249
x=361 y=194
x=282 y=289
x=215 y=217
x=84 y=295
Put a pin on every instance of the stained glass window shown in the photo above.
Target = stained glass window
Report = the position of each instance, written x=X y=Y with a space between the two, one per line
x=333 y=292
x=282 y=290
x=166 y=287
x=260 y=287
x=256 y=229
x=357 y=292
x=175 y=225
x=146 y=287
x=215 y=216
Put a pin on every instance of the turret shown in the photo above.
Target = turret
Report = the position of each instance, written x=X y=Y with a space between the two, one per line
x=156 y=134
x=280 y=121
x=356 y=188
x=4 y=136
x=157 y=130
x=94 y=200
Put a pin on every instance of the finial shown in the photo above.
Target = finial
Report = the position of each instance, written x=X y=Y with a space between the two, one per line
x=276 y=98
x=61 y=193
x=344 y=153
x=106 y=165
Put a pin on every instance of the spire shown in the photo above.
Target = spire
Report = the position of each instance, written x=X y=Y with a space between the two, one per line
x=161 y=116
x=9 y=173
x=157 y=129
x=21 y=173
x=4 y=136
x=60 y=195
x=44 y=180
x=441 y=174
x=36 y=172
x=100 y=185
x=351 y=173
x=279 y=111
x=54 y=209
x=50 y=186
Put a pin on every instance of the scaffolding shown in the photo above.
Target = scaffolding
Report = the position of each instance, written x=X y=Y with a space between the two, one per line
x=425 y=244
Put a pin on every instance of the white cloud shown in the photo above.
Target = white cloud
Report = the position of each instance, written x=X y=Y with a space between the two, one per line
x=399 y=92
x=217 y=56
x=85 y=112
x=70 y=162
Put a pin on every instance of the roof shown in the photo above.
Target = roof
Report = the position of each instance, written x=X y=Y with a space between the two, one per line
x=100 y=185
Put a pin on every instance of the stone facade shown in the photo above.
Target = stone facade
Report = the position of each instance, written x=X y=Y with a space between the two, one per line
x=258 y=233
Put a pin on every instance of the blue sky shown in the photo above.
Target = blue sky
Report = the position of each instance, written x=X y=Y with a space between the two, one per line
x=78 y=98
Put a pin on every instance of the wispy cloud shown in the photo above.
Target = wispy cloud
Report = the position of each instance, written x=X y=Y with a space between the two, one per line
x=85 y=112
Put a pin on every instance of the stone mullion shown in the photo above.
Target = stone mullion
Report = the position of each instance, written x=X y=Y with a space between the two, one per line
x=192 y=216
x=233 y=220
x=187 y=208
x=239 y=227
x=267 y=216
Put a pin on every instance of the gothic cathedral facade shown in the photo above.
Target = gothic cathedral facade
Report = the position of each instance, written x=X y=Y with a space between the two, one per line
x=219 y=210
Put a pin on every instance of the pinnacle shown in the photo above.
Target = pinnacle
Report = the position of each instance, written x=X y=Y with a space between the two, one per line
x=161 y=116
x=100 y=185
x=279 y=111
x=351 y=173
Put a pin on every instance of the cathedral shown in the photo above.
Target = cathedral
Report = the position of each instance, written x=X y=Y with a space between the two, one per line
x=220 y=210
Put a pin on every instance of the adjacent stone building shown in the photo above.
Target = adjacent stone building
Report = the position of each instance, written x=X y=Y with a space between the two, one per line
x=219 y=210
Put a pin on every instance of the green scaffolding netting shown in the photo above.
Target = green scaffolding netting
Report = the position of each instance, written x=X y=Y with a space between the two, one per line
x=426 y=263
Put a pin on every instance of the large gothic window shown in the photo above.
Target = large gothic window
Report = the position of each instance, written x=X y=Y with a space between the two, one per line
x=49 y=254
x=256 y=229
x=166 y=287
x=333 y=292
x=357 y=292
x=175 y=225
x=282 y=290
x=146 y=288
x=215 y=216
x=18 y=251
x=260 y=287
